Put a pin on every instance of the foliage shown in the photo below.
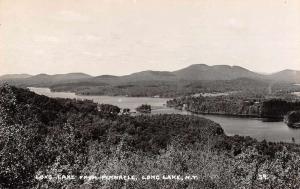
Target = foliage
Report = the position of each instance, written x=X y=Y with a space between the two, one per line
x=292 y=118
x=278 y=107
x=144 y=108
x=236 y=105
x=44 y=136
x=226 y=105
x=177 y=88
x=108 y=110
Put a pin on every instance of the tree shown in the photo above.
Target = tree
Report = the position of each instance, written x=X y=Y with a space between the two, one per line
x=292 y=118
x=126 y=111
x=108 y=110
x=18 y=161
x=144 y=108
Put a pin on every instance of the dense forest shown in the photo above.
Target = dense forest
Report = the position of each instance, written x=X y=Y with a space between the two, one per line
x=45 y=136
x=144 y=108
x=171 y=89
x=292 y=119
x=237 y=105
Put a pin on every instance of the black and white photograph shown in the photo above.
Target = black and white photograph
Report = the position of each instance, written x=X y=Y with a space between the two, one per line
x=149 y=94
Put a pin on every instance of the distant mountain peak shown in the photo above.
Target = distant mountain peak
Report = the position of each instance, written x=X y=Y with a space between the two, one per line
x=286 y=75
x=106 y=76
x=194 y=72
x=288 y=70
x=41 y=74
x=14 y=76
x=197 y=65
x=215 y=72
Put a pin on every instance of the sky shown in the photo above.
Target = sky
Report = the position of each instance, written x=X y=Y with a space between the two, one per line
x=119 y=37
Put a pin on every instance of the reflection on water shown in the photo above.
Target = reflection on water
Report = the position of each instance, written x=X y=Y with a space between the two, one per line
x=270 y=131
x=296 y=93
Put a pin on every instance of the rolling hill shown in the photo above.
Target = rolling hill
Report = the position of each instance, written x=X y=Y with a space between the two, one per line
x=195 y=72
x=291 y=76
x=218 y=72
x=48 y=80
x=150 y=76
x=14 y=76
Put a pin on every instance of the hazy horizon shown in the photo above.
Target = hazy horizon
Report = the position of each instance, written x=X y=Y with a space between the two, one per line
x=120 y=37
x=263 y=73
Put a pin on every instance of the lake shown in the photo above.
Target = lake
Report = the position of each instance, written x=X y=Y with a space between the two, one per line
x=270 y=131
x=296 y=93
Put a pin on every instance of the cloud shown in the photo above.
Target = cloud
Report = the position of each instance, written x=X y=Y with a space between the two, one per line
x=92 y=54
x=39 y=52
x=234 y=24
x=90 y=37
x=46 y=38
x=71 y=16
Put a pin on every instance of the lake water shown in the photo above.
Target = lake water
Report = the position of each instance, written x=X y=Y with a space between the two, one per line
x=296 y=93
x=270 y=131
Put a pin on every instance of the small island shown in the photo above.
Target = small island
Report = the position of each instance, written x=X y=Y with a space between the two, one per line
x=144 y=108
x=292 y=119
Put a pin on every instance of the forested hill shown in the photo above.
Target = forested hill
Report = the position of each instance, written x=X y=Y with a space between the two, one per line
x=195 y=72
x=39 y=133
x=192 y=79
x=44 y=136
x=196 y=78
x=235 y=105
x=168 y=89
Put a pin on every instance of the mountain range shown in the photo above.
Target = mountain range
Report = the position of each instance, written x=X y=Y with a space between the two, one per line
x=195 y=72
